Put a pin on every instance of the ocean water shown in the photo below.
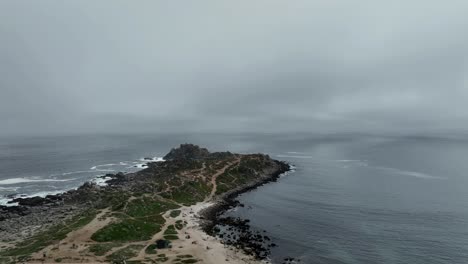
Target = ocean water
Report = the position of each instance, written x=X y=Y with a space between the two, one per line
x=352 y=198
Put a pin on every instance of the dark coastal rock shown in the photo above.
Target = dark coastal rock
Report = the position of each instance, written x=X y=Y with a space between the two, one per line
x=13 y=210
x=237 y=231
x=187 y=152
x=117 y=179
x=31 y=201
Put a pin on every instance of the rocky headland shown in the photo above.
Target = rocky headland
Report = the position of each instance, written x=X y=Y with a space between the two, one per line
x=126 y=220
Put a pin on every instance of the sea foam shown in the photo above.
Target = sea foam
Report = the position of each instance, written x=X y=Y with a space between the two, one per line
x=411 y=173
x=23 y=180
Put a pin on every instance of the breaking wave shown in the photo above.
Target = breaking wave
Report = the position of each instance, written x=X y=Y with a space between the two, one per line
x=23 y=180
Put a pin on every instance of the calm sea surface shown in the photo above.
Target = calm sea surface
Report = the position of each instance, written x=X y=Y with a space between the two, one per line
x=352 y=199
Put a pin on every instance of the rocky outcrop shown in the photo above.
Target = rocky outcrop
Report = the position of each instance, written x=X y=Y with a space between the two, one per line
x=187 y=152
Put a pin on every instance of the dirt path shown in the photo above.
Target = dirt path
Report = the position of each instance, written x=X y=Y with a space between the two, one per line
x=75 y=242
x=193 y=241
x=215 y=177
x=187 y=213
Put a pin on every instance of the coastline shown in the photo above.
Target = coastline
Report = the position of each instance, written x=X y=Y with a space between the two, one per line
x=227 y=200
x=100 y=178
x=204 y=216
x=91 y=208
x=248 y=241
x=207 y=248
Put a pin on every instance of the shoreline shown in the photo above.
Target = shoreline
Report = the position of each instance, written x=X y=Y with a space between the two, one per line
x=204 y=216
x=91 y=207
x=101 y=179
x=227 y=201
x=209 y=249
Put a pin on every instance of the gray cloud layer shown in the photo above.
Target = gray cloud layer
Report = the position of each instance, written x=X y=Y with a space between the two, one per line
x=93 y=66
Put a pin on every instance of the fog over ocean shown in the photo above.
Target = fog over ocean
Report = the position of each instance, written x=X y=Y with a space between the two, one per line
x=351 y=199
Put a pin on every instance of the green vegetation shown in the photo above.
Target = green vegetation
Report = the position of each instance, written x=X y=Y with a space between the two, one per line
x=147 y=207
x=55 y=233
x=140 y=219
x=102 y=248
x=163 y=259
x=241 y=174
x=184 y=256
x=179 y=224
x=184 y=198
x=116 y=200
x=125 y=253
x=189 y=192
x=174 y=213
x=127 y=230
x=170 y=230
x=151 y=249
x=160 y=258
x=171 y=237
x=182 y=259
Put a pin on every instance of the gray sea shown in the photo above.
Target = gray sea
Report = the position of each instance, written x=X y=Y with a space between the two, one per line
x=352 y=198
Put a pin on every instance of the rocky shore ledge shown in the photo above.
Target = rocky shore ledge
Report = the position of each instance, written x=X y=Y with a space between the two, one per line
x=236 y=231
x=129 y=217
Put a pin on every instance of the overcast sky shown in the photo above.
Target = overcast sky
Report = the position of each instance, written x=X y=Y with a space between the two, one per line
x=269 y=66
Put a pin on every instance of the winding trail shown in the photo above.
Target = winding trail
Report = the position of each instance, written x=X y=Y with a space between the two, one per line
x=192 y=240
x=186 y=213
x=76 y=241
x=215 y=177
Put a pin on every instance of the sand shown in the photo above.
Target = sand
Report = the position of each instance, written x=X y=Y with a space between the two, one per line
x=207 y=249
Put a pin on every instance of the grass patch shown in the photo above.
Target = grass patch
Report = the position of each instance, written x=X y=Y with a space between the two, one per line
x=125 y=253
x=162 y=259
x=191 y=192
x=184 y=256
x=170 y=230
x=171 y=237
x=185 y=261
x=174 y=213
x=189 y=261
x=184 y=197
x=147 y=207
x=127 y=230
x=102 y=248
x=151 y=249
x=179 y=225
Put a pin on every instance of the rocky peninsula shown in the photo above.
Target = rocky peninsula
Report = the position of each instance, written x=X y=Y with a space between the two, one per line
x=155 y=215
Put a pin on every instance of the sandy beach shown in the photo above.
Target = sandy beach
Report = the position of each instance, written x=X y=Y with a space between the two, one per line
x=206 y=248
